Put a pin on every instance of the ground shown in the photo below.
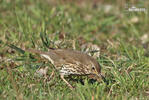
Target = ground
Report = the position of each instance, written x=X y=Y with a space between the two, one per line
x=121 y=35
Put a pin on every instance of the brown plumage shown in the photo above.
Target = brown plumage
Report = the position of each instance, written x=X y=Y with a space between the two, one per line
x=71 y=62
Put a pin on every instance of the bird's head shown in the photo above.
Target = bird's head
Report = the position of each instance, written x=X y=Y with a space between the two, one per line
x=96 y=72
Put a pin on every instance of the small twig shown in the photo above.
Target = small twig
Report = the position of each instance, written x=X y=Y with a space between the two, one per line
x=74 y=44
x=111 y=89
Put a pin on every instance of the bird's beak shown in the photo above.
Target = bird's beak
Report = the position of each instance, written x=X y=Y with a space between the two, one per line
x=102 y=77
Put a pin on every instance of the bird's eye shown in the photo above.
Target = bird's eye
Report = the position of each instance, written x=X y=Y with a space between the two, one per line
x=93 y=68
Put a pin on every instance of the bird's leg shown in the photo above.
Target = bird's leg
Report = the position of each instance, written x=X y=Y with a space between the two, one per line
x=62 y=77
x=47 y=79
x=51 y=75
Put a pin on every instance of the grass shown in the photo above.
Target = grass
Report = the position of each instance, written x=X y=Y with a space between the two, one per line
x=122 y=36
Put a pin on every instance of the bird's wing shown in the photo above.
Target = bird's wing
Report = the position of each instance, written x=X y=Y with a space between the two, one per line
x=72 y=56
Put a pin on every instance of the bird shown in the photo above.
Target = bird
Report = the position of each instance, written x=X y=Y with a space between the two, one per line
x=70 y=62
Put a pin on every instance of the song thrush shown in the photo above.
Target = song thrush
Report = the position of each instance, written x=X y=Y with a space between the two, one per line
x=71 y=62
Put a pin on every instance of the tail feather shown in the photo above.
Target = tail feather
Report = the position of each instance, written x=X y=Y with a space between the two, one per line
x=50 y=55
x=43 y=54
x=34 y=51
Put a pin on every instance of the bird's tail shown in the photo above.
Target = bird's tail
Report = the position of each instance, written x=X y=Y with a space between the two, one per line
x=34 y=51
x=48 y=55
